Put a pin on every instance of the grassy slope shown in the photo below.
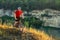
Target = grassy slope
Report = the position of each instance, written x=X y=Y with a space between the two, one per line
x=11 y=33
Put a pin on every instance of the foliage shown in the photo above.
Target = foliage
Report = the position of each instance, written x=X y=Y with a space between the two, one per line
x=30 y=4
x=27 y=21
x=34 y=22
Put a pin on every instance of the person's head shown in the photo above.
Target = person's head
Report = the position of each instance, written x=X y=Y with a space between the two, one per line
x=19 y=8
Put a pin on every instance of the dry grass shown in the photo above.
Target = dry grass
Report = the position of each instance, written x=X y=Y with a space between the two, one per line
x=33 y=34
x=40 y=35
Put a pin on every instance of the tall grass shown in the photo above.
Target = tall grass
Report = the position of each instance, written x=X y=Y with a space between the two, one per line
x=30 y=33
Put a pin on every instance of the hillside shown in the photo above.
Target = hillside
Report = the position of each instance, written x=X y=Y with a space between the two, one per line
x=11 y=33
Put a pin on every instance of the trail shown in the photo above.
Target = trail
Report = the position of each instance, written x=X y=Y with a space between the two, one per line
x=12 y=33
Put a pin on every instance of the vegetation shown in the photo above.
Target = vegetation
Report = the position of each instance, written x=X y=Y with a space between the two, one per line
x=28 y=22
x=30 y=4
x=10 y=33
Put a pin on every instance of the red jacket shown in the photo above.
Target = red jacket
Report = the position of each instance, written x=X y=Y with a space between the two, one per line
x=18 y=13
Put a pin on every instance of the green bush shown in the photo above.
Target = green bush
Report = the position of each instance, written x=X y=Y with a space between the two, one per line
x=28 y=21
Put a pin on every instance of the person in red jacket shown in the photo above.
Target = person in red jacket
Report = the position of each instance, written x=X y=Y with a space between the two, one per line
x=17 y=15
